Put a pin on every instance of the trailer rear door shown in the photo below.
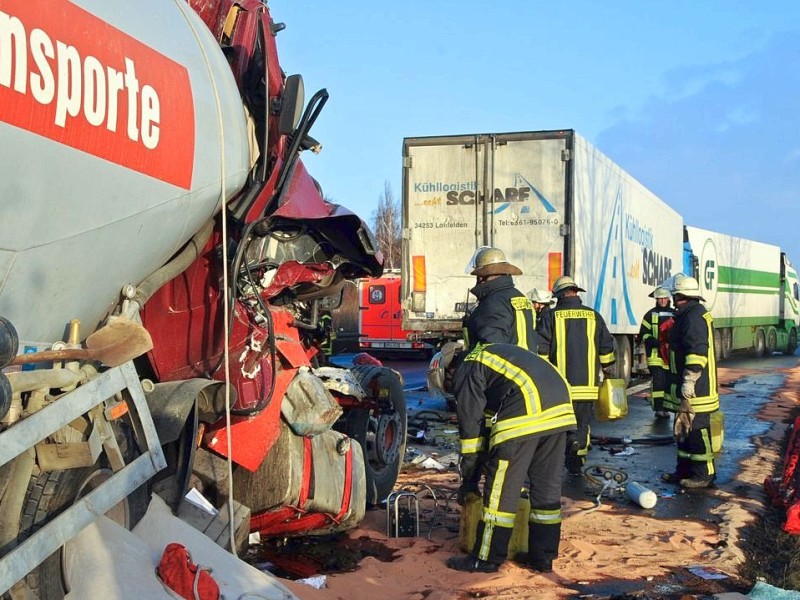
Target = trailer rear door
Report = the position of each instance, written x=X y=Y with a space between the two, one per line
x=464 y=192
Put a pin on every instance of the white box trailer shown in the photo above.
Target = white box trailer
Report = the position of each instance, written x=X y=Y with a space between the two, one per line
x=751 y=290
x=554 y=204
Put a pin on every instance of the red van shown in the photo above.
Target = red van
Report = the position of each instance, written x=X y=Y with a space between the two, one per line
x=380 y=319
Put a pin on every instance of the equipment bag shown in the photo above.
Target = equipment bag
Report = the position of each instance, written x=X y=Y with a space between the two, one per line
x=184 y=578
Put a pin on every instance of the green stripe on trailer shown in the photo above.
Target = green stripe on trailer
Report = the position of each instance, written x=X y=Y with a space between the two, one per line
x=742 y=290
x=746 y=322
x=734 y=276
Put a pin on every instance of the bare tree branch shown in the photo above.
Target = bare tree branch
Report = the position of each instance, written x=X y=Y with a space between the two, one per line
x=386 y=223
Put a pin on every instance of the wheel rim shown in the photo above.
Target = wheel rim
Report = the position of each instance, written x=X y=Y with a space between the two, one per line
x=772 y=340
x=383 y=439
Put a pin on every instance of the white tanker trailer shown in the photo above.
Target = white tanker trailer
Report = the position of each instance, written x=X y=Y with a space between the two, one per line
x=147 y=336
x=119 y=123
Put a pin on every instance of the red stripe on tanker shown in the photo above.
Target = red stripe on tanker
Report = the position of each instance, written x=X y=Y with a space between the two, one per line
x=73 y=78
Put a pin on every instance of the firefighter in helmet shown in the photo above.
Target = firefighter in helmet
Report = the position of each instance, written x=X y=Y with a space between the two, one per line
x=513 y=408
x=503 y=313
x=575 y=339
x=652 y=333
x=692 y=385
x=542 y=302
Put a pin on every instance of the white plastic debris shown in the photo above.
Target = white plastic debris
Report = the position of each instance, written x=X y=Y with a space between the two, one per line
x=200 y=501
x=432 y=463
x=318 y=582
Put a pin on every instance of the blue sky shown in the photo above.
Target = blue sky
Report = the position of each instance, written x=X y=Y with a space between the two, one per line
x=700 y=101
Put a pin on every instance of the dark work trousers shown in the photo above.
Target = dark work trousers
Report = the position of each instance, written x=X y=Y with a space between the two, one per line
x=695 y=457
x=659 y=384
x=584 y=409
x=509 y=465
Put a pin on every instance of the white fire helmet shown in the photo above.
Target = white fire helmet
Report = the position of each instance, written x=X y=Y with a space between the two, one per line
x=660 y=292
x=437 y=385
x=540 y=297
x=686 y=286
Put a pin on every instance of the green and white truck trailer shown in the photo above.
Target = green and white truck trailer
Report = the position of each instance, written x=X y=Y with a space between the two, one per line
x=750 y=288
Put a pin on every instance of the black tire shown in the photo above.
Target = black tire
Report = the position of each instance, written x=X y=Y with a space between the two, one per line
x=791 y=345
x=718 y=345
x=772 y=341
x=727 y=343
x=622 y=353
x=380 y=431
x=51 y=493
x=759 y=344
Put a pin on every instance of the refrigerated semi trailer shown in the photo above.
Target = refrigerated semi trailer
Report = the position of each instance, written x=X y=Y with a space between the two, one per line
x=554 y=204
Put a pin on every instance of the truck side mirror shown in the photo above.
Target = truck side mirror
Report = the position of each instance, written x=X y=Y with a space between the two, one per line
x=292 y=103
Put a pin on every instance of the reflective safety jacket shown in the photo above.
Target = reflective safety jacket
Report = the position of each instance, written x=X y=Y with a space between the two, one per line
x=503 y=315
x=691 y=347
x=511 y=392
x=575 y=339
x=648 y=334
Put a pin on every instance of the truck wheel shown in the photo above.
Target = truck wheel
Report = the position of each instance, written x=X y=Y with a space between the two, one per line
x=791 y=346
x=51 y=493
x=727 y=343
x=381 y=431
x=759 y=344
x=772 y=341
x=717 y=345
x=622 y=352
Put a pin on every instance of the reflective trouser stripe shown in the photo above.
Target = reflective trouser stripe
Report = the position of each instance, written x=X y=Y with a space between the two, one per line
x=472 y=445
x=545 y=517
x=491 y=512
x=695 y=456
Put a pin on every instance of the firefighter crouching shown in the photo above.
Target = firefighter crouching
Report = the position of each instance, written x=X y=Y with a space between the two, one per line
x=575 y=339
x=514 y=412
x=692 y=386
x=654 y=321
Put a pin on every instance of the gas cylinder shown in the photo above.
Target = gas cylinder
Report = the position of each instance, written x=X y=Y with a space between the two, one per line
x=644 y=497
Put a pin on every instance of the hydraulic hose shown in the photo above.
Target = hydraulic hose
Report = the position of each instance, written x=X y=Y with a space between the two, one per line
x=175 y=267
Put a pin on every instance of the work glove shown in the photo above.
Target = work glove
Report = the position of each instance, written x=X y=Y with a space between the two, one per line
x=470 y=476
x=687 y=385
x=685 y=416
x=683 y=420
